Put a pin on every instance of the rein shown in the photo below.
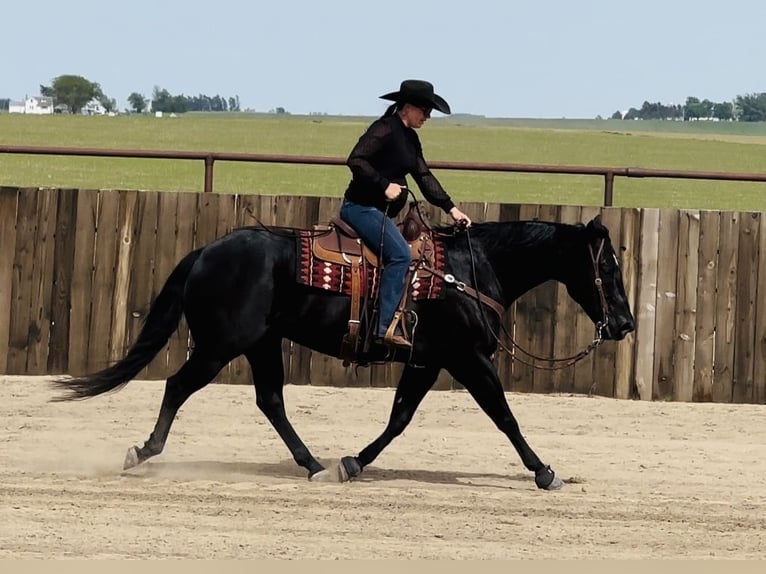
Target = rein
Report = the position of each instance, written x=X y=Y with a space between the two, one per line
x=559 y=362
x=571 y=360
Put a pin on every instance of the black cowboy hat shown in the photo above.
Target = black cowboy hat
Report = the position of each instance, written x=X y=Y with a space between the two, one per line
x=420 y=93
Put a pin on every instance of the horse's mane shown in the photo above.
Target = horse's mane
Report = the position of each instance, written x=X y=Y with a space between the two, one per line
x=516 y=233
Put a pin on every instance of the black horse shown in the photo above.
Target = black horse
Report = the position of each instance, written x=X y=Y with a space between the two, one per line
x=241 y=296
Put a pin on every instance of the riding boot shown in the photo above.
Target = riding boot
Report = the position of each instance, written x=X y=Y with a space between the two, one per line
x=395 y=334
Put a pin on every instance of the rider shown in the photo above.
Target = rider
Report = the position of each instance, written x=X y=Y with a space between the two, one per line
x=383 y=156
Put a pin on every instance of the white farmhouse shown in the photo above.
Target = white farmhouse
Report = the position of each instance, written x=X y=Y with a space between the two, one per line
x=93 y=108
x=37 y=105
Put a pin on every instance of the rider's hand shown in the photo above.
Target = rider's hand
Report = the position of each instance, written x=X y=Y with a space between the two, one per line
x=393 y=191
x=459 y=217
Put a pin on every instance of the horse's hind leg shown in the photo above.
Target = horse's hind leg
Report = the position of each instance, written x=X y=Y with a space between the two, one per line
x=413 y=385
x=197 y=372
x=268 y=378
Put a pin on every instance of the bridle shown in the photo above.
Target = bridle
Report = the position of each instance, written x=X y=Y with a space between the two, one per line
x=514 y=349
x=556 y=362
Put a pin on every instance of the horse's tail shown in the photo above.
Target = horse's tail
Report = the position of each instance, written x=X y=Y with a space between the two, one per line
x=163 y=318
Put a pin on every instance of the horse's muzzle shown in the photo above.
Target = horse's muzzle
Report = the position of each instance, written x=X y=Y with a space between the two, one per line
x=618 y=330
x=623 y=330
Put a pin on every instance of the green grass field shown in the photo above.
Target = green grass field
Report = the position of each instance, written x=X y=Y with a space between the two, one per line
x=698 y=146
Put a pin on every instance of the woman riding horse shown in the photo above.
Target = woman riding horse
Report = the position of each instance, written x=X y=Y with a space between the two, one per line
x=383 y=156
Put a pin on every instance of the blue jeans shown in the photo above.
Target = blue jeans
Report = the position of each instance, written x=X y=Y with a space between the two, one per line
x=367 y=221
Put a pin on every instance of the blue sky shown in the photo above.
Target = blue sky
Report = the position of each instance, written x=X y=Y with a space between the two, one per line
x=549 y=59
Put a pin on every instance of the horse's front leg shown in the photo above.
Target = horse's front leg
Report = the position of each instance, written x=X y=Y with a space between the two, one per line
x=479 y=376
x=413 y=386
x=268 y=378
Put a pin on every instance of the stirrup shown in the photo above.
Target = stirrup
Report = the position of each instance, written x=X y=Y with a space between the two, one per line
x=392 y=338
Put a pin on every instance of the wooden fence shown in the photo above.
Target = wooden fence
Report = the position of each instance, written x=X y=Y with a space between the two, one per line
x=78 y=269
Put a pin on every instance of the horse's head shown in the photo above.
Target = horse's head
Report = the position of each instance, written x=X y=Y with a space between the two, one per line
x=595 y=282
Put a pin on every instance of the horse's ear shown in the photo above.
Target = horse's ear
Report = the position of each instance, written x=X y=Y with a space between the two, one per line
x=595 y=224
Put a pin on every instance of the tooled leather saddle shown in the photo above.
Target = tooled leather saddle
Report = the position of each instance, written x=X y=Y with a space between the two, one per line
x=334 y=258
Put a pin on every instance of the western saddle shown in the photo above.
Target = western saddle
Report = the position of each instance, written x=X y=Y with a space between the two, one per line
x=340 y=244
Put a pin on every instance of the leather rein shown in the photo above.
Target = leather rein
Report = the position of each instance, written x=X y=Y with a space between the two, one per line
x=482 y=299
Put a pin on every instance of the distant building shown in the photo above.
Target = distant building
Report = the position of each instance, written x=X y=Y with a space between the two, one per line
x=93 y=108
x=37 y=105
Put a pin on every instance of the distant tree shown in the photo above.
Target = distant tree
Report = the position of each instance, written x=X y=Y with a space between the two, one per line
x=693 y=109
x=163 y=101
x=723 y=111
x=137 y=102
x=74 y=91
x=110 y=104
x=5 y=104
x=631 y=114
x=280 y=110
x=617 y=115
x=751 y=107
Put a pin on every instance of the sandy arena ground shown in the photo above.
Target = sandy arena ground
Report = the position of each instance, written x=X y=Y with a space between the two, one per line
x=645 y=480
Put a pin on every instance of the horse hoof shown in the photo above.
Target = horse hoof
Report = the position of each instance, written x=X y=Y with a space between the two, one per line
x=349 y=468
x=546 y=479
x=325 y=475
x=556 y=484
x=131 y=458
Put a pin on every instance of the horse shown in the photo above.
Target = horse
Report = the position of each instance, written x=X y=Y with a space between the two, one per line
x=240 y=295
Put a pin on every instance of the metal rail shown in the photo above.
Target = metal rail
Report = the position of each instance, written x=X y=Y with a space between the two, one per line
x=209 y=159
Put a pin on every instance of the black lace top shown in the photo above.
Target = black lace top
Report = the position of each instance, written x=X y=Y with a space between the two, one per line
x=386 y=153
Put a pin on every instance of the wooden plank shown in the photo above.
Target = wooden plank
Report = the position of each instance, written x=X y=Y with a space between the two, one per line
x=667 y=292
x=726 y=305
x=21 y=288
x=504 y=360
x=522 y=375
x=330 y=372
x=142 y=266
x=206 y=221
x=326 y=370
x=8 y=202
x=82 y=281
x=103 y=280
x=128 y=202
x=61 y=298
x=227 y=214
x=584 y=331
x=627 y=249
x=300 y=213
x=564 y=344
x=476 y=210
x=491 y=212
x=747 y=287
x=259 y=210
x=250 y=211
x=646 y=303
x=605 y=356
x=186 y=213
x=388 y=375
x=544 y=316
x=710 y=222
x=228 y=205
x=759 y=358
x=42 y=283
x=164 y=263
x=686 y=305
